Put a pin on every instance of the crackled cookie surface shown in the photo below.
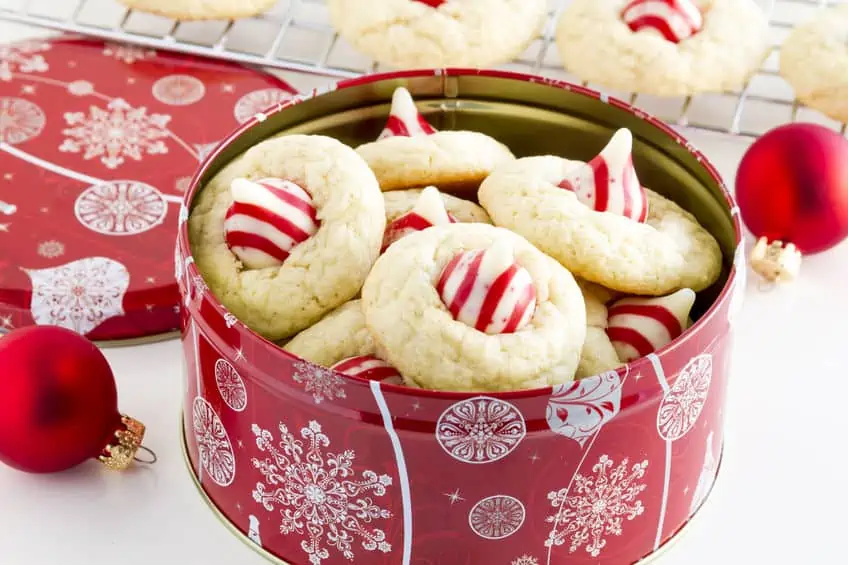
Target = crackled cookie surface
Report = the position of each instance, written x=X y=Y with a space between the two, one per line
x=598 y=354
x=410 y=153
x=288 y=231
x=600 y=224
x=663 y=47
x=439 y=33
x=201 y=9
x=814 y=60
x=472 y=307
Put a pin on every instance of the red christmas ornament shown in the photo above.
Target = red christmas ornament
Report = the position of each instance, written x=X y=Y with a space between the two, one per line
x=792 y=187
x=59 y=404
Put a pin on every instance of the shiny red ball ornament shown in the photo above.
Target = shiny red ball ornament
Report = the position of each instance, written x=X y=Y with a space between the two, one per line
x=792 y=186
x=59 y=404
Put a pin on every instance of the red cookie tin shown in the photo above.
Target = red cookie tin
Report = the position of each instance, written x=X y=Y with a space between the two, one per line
x=314 y=467
x=98 y=143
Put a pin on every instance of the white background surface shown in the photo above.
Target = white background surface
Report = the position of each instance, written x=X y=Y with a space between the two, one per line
x=779 y=499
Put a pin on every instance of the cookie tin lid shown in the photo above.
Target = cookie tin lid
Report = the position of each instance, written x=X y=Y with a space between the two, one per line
x=98 y=142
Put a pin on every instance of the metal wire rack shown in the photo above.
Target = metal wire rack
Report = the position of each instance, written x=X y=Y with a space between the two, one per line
x=295 y=37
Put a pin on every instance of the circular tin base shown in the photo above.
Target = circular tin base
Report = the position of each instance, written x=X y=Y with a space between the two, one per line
x=650 y=558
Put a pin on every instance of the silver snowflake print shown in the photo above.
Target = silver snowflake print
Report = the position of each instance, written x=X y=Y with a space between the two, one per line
x=121 y=208
x=23 y=57
x=497 y=517
x=129 y=54
x=20 y=120
x=213 y=443
x=323 y=383
x=480 y=430
x=51 y=249
x=320 y=496
x=116 y=133
x=596 y=505
x=230 y=319
x=682 y=405
x=525 y=560
x=230 y=385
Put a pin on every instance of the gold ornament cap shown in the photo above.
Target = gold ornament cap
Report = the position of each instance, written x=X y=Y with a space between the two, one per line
x=121 y=452
x=775 y=261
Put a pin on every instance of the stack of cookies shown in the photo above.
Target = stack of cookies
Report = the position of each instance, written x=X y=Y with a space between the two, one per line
x=436 y=259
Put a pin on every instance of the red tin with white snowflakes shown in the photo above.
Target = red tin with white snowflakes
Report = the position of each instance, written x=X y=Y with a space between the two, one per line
x=98 y=143
x=318 y=468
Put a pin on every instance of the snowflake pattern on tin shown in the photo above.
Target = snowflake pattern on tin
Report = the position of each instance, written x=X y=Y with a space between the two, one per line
x=682 y=404
x=737 y=298
x=80 y=88
x=257 y=101
x=497 y=517
x=596 y=506
x=323 y=383
x=79 y=295
x=480 y=430
x=578 y=410
x=230 y=320
x=20 y=120
x=320 y=496
x=230 y=385
x=51 y=249
x=179 y=90
x=116 y=133
x=121 y=208
x=525 y=560
x=129 y=54
x=24 y=57
x=213 y=443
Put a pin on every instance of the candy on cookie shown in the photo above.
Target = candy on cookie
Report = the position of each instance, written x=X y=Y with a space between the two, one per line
x=399 y=202
x=410 y=153
x=664 y=47
x=472 y=307
x=639 y=326
x=428 y=211
x=668 y=251
x=369 y=367
x=412 y=34
x=288 y=231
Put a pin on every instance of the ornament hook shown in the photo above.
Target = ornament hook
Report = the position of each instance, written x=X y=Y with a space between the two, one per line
x=150 y=459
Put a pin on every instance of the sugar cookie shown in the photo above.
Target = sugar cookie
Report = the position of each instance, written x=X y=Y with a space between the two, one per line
x=201 y=9
x=598 y=354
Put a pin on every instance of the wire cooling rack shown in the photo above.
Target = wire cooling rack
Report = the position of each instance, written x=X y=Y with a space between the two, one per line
x=295 y=37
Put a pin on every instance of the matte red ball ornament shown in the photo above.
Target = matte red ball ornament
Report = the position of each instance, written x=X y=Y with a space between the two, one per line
x=792 y=187
x=59 y=404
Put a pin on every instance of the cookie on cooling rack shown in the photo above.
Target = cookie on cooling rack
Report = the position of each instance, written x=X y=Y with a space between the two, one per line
x=201 y=9
x=411 y=153
x=288 y=232
x=599 y=222
x=439 y=33
x=663 y=47
x=814 y=60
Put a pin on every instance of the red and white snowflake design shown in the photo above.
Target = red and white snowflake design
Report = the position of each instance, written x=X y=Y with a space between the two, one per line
x=257 y=101
x=129 y=54
x=480 y=430
x=121 y=208
x=319 y=495
x=497 y=517
x=79 y=295
x=682 y=404
x=323 y=383
x=115 y=133
x=230 y=385
x=213 y=443
x=25 y=57
x=20 y=120
x=596 y=505
x=525 y=560
x=51 y=249
x=179 y=90
x=80 y=88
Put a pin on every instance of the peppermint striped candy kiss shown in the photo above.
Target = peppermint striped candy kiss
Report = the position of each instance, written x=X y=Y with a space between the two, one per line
x=369 y=367
x=432 y=3
x=487 y=290
x=404 y=118
x=639 y=326
x=675 y=20
x=608 y=183
x=428 y=211
x=268 y=218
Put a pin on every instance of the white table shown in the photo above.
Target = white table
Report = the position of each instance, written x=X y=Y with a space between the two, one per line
x=778 y=499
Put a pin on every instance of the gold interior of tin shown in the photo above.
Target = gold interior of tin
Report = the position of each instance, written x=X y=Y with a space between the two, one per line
x=530 y=118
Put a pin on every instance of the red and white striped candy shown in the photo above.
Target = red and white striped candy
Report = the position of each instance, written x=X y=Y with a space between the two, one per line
x=487 y=290
x=267 y=219
x=404 y=118
x=369 y=367
x=639 y=326
x=432 y=3
x=608 y=183
x=428 y=211
x=675 y=20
